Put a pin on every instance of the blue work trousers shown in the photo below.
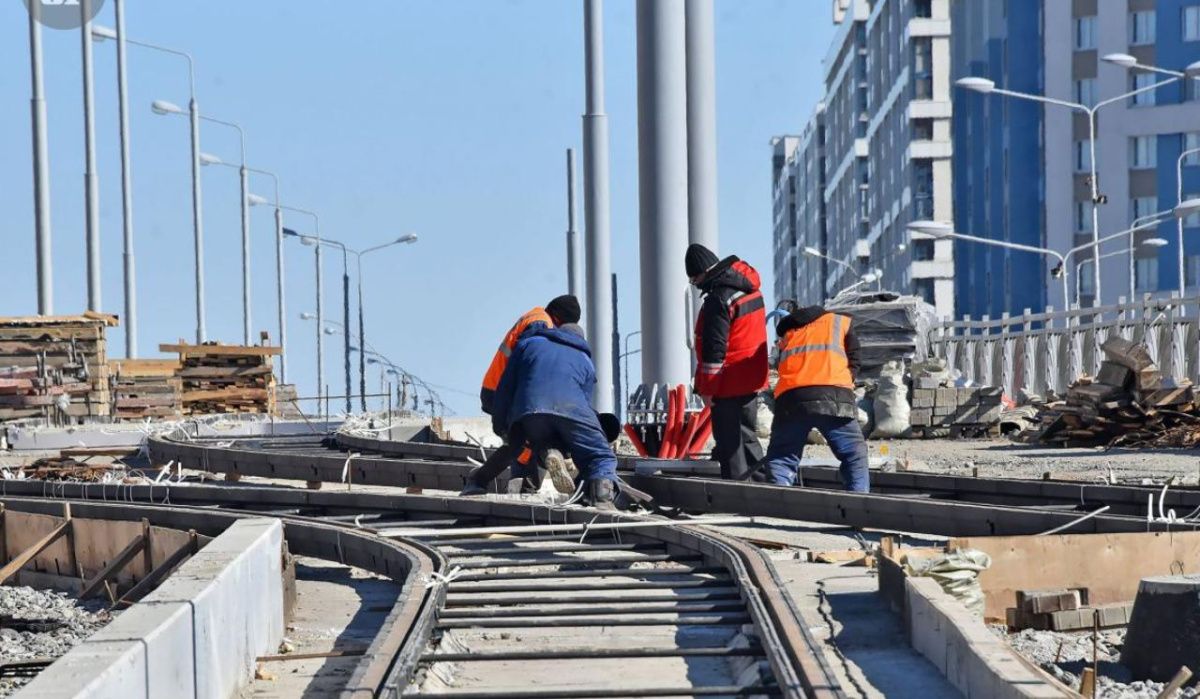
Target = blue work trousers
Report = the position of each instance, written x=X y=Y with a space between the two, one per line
x=582 y=440
x=790 y=434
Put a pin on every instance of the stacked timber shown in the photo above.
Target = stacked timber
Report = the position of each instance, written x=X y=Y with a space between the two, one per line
x=1128 y=403
x=54 y=367
x=145 y=389
x=218 y=379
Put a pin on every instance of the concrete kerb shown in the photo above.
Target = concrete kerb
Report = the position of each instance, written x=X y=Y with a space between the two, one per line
x=197 y=635
x=976 y=661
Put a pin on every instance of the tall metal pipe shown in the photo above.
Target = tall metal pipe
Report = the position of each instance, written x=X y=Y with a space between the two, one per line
x=91 y=191
x=41 y=165
x=244 y=178
x=131 y=348
x=596 y=206
x=197 y=215
x=281 y=306
x=662 y=189
x=701 y=125
x=346 y=330
x=574 y=261
x=320 y=324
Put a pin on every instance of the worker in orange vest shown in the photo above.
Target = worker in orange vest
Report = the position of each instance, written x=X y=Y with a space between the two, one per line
x=818 y=356
x=560 y=311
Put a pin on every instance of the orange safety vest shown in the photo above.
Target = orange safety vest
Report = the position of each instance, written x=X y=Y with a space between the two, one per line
x=495 y=370
x=815 y=355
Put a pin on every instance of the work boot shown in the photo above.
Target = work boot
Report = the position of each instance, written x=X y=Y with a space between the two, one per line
x=473 y=488
x=599 y=494
x=560 y=475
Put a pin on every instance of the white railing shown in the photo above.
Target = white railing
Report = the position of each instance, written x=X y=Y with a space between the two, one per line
x=1039 y=353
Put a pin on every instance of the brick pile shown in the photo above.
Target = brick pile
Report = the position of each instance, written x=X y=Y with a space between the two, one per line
x=1063 y=610
x=956 y=411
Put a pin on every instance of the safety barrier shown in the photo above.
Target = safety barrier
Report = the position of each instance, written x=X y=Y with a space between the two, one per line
x=1040 y=353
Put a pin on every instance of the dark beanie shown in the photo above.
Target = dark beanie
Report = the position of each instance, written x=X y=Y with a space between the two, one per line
x=564 y=309
x=699 y=260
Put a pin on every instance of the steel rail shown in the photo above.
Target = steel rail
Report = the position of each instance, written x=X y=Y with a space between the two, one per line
x=907 y=513
x=794 y=656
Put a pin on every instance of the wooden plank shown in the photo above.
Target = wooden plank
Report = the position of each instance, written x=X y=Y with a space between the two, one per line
x=204 y=372
x=226 y=394
x=114 y=566
x=27 y=555
x=163 y=570
x=144 y=367
x=220 y=350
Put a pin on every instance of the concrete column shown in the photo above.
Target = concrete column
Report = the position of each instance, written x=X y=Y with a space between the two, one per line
x=662 y=189
x=701 y=125
x=598 y=308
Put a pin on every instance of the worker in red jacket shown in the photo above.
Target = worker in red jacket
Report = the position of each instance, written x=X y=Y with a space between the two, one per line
x=731 y=356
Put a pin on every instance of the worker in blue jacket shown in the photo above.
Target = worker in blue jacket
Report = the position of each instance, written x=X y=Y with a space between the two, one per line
x=545 y=398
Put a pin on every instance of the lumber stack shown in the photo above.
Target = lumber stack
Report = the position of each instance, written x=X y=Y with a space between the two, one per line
x=145 y=388
x=54 y=367
x=217 y=379
x=1128 y=403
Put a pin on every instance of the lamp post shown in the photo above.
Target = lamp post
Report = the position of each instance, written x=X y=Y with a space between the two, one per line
x=408 y=238
x=320 y=302
x=985 y=86
x=41 y=165
x=813 y=252
x=197 y=198
x=1127 y=61
x=280 y=303
x=1149 y=243
x=162 y=107
x=943 y=229
x=91 y=185
x=99 y=33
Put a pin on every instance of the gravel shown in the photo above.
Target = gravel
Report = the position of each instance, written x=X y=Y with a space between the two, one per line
x=82 y=619
x=1065 y=655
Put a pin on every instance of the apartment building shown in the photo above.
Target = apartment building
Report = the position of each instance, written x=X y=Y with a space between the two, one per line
x=875 y=157
x=1022 y=169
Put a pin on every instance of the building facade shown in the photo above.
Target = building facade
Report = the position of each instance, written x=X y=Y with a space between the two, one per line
x=1022 y=171
x=876 y=156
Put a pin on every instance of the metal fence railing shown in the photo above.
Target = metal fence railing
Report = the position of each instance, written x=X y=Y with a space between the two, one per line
x=1040 y=353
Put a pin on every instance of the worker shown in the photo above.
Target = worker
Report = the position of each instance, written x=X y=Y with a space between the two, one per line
x=818 y=357
x=545 y=399
x=561 y=310
x=731 y=356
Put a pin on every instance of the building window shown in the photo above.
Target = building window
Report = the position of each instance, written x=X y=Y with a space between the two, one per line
x=922 y=250
x=922 y=129
x=921 y=8
x=1191 y=270
x=922 y=69
x=1087 y=277
x=1083 y=216
x=1085 y=91
x=1146 y=278
x=1141 y=27
x=1142 y=207
x=1191 y=23
x=1143 y=152
x=1085 y=33
x=1139 y=81
x=924 y=289
x=1083 y=156
x=1191 y=142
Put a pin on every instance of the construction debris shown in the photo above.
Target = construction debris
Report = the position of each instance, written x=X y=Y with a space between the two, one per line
x=63 y=469
x=216 y=378
x=1127 y=403
x=145 y=388
x=54 y=367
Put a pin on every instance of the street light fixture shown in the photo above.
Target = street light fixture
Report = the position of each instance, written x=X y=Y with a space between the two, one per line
x=985 y=86
x=281 y=232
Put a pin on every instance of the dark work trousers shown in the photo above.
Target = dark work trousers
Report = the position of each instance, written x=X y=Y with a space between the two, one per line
x=582 y=440
x=735 y=428
x=500 y=459
x=789 y=434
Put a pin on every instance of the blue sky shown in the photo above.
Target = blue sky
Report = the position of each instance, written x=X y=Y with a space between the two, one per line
x=448 y=118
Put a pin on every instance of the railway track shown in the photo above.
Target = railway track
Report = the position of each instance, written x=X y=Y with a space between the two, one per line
x=907 y=502
x=508 y=599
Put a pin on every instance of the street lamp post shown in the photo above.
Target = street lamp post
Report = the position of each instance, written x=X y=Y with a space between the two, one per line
x=281 y=306
x=320 y=302
x=813 y=252
x=985 y=86
x=362 y=340
x=162 y=107
x=100 y=33
x=91 y=185
x=1149 y=242
x=131 y=350
x=1125 y=60
x=41 y=165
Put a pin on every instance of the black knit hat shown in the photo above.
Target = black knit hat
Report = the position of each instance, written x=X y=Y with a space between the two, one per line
x=564 y=309
x=699 y=260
